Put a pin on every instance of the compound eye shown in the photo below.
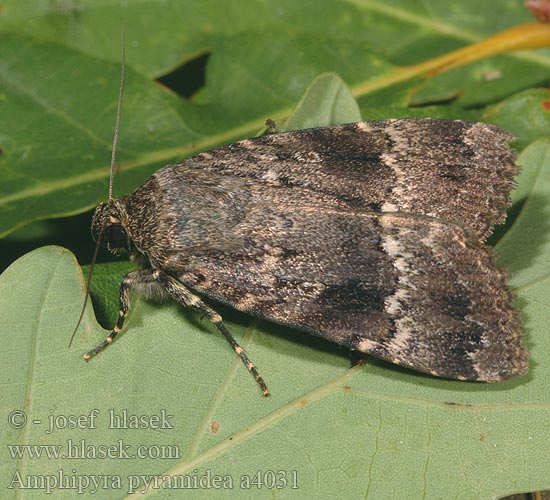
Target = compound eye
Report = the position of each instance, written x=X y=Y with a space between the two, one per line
x=116 y=236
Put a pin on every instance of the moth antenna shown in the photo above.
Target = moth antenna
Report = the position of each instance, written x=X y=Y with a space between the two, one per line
x=88 y=284
x=111 y=176
x=118 y=113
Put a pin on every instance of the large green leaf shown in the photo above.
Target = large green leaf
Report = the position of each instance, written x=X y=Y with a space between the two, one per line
x=374 y=430
x=59 y=90
x=161 y=34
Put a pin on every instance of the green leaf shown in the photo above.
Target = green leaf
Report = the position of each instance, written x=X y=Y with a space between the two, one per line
x=526 y=115
x=528 y=236
x=55 y=161
x=484 y=82
x=162 y=34
x=327 y=101
x=59 y=166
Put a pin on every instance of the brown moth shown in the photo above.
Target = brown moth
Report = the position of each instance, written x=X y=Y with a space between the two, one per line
x=370 y=235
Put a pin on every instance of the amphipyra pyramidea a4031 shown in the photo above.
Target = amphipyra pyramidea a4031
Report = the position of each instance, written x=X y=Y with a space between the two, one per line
x=370 y=235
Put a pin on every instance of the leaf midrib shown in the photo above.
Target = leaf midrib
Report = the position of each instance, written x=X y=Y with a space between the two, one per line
x=339 y=383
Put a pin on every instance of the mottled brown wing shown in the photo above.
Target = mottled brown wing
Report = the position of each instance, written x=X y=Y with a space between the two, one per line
x=454 y=170
x=296 y=228
x=412 y=290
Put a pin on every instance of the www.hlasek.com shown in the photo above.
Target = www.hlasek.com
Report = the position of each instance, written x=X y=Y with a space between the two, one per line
x=81 y=449
x=206 y=479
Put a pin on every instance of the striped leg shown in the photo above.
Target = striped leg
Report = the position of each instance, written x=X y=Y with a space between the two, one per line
x=182 y=295
x=133 y=279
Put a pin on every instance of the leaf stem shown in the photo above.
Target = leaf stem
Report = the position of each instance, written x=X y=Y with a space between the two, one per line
x=521 y=37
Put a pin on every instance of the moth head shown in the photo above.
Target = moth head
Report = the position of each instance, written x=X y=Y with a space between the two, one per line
x=109 y=226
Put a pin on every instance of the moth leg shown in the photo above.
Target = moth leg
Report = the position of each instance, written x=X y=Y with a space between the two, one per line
x=355 y=357
x=270 y=126
x=132 y=279
x=182 y=295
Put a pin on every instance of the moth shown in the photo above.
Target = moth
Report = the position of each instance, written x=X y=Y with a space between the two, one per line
x=370 y=235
